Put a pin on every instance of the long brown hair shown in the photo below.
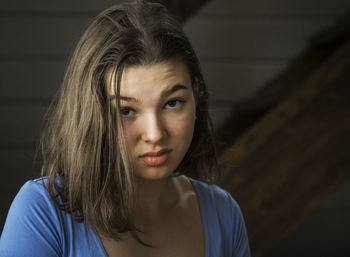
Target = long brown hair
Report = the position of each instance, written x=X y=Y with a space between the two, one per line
x=83 y=148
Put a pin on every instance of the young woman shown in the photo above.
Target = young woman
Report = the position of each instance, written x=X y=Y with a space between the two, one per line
x=127 y=140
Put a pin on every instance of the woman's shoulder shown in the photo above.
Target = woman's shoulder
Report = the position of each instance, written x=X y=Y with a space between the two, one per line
x=218 y=204
x=213 y=193
x=42 y=229
x=34 y=188
x=31 y=216
x=33 y=196
x=32 y=193
x=223 y=219
x=33 y=201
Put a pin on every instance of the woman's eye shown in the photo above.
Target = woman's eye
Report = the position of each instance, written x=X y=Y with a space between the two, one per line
x=126 y=111
x=172 y=104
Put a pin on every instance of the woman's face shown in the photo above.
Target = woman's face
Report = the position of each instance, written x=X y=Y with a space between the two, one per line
x=158 y=109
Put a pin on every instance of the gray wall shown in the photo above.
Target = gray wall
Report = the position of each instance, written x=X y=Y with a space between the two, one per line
x=241 y=44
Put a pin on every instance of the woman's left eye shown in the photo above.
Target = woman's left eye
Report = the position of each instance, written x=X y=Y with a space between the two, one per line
x=173 y=104
x=126 y=112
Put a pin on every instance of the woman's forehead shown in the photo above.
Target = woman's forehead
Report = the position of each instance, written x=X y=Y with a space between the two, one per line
x=158 y=76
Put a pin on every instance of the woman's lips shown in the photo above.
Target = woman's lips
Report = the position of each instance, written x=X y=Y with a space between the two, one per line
x=156 y=158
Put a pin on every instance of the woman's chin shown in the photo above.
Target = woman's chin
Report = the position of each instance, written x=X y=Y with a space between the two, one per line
x=153 y=174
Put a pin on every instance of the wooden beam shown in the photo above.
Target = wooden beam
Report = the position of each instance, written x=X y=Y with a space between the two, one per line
x=246 y=113
x=181 y=9
x=295 y=156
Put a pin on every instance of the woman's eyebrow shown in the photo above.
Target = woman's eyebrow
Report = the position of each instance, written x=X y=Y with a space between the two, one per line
x=124 y=98
x=175 y=88
x=164 y=94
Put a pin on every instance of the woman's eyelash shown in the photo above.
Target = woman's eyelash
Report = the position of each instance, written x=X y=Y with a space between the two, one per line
x=125 y=111
x=171 y=104
x=177 y=101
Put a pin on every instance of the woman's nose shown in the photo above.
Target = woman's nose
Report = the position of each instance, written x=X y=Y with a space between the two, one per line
x=153 y=129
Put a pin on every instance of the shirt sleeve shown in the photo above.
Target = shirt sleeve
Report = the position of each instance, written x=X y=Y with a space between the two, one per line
x=240 y=242
x=32 y=227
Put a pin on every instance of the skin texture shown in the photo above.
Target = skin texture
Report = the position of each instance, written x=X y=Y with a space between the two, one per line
x=167 y=207
x=154 y=122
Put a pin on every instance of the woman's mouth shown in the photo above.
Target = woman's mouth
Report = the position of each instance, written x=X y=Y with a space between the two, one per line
x=155 y=158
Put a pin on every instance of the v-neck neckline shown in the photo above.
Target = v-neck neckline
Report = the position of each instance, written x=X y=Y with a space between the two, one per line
x=202 y=214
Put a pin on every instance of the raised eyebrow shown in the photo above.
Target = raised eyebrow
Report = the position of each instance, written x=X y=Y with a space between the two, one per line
x=124 y=98
x=172 y=90
x=164 y=94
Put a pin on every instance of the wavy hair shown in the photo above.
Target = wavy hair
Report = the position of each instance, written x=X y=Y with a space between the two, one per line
x=82 y=144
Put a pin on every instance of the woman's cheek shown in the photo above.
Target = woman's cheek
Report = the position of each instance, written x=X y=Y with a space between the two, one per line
x=183 y=126
x=130 y=134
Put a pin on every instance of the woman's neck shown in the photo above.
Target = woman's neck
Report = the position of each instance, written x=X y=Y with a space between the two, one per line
x=155 y=198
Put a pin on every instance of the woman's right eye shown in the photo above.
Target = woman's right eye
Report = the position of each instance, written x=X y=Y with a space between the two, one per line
x=126 y=111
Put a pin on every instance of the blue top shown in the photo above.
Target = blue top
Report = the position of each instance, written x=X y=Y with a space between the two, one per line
x=36 y=227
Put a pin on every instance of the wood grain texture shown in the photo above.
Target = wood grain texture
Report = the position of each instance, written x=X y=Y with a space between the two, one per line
x=54 y=8
x=22 y=80
x=279 y=8
x=181 y=9
x=235 y=80
x=217 y=7
x=18 y=166
x=40 y=37
x=21 y=122
x=295 y=156
x=250 y=109
x=55 y=37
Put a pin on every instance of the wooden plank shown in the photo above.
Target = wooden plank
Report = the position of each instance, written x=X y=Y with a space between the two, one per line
x=20 y=123
x=217 y=7
x=297 y=71
x=236 y=80
x=265 y=38
x=18 y=166
x=295 y=102
x=281 y=8
x=249 y=110
x=294 y=157
x=40 y=36
x=87 y=7
x=43 y=32
x=182 y=10
x=56 y=37
x=30 y=79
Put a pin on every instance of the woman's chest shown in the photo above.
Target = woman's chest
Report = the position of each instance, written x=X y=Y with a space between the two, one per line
x=185 y=241
x=180 y=235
